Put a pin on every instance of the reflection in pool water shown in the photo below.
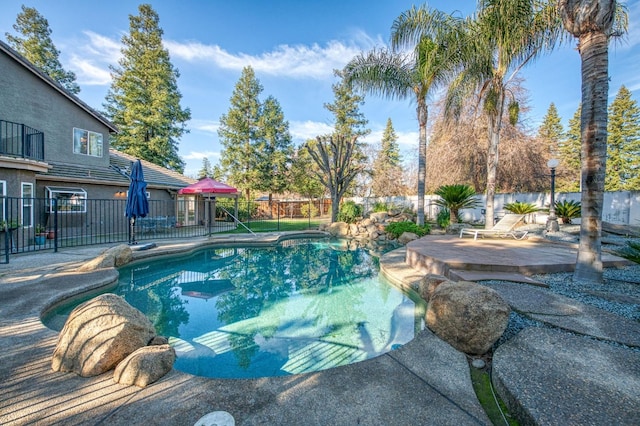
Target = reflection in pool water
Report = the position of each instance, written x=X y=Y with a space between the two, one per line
x=297 y=307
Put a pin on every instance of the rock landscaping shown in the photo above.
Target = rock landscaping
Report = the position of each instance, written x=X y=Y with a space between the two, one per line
x=371 y=231
x=106 y=333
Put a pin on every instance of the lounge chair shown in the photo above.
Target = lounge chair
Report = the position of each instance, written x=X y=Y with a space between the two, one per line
x=504 y=228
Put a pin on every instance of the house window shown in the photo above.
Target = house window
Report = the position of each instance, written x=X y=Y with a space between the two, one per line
x=87 y=143
x=27 y=205
x=68 y=200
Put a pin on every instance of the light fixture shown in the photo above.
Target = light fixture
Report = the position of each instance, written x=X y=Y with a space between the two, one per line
x=552 y=220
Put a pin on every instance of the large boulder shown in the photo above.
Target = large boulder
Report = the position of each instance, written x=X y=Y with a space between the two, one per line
x=468 y=316
x=407 y=237
x=145 y=366
x=338 y=229
x=428 y=285
x=112 y=257
x=378 y=216
x=99 y=334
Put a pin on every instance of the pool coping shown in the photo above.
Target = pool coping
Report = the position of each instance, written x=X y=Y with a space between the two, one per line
x=424 y=379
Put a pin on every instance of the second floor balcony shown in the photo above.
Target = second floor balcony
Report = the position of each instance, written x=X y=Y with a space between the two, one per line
x=21 y=141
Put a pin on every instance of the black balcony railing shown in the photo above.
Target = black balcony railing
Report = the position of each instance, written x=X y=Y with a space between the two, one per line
x=38 y=224
x=18 y=140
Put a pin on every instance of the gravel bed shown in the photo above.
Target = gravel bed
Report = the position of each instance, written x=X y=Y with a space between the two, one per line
x=619 y=294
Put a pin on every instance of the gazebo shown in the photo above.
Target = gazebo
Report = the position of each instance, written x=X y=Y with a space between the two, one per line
x=210 y=189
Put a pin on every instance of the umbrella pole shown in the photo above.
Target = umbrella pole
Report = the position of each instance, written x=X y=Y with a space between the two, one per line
x=132 y=231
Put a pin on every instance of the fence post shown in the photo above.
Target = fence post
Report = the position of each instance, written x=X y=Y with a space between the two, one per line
x=278 y=208
x=54 y=205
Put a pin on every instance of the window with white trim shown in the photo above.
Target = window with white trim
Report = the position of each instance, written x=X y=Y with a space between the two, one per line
x=27 y=204
x=67 y=200
x=87 y=143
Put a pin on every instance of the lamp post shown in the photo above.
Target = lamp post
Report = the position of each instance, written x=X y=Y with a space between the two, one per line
x=552 y=220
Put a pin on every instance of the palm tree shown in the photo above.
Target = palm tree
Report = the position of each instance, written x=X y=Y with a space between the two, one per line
x=456 y=198
x=504 y=36
x=397 y=75
x=593 y=22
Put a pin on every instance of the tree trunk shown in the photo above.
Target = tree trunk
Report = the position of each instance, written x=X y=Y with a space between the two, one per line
x=422 y=158
x=335 y=207
x=593 y=124
x=495 y=124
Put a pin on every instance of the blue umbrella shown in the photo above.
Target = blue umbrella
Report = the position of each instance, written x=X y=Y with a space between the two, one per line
x=137 y=203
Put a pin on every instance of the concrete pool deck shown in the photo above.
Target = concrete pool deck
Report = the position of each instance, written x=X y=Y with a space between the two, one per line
x=424 y=382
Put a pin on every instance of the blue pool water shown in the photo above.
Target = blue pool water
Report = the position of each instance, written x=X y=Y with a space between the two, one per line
x=302 y=306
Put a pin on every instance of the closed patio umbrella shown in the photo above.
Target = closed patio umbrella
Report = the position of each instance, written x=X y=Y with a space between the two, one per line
x=137 y=203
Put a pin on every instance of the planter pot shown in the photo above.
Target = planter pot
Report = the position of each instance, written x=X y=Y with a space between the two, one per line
x=51 y=235
x=40 y=239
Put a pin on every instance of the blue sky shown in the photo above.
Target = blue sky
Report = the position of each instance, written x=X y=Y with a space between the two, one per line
x=293 y=46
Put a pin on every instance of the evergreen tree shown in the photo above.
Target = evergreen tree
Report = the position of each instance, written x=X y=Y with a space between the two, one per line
x=276 y=148
x=348 y=120
x=206 y=170
x=240 y=134
x=569 y=169
x=623 y=143
x=550 y=131
x=38 y=47
x=304 y=175
x=144 y=100
x=387 y=171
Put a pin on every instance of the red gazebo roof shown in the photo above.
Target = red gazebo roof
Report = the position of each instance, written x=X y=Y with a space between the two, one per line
x=208 y=186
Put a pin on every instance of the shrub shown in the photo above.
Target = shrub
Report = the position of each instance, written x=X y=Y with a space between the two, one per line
x=456 y=198
x=349 y=212
x=398 y=228
x=443 y=218
x=521 y=208
x=631 y=251
x=381 y=207
x=308 y=210
x=567 y=210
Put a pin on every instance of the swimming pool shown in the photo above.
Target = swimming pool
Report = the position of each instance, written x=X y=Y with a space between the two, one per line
x=246 y=312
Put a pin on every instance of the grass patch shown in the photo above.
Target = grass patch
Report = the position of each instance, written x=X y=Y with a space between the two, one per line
x=482 y=386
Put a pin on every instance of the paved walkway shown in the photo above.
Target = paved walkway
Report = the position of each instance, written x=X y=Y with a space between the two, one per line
x=547 y=376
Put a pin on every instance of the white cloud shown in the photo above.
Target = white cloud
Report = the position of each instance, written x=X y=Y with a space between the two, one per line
x=87 y=72
x=103 y=47
x=195 y=155
x=92 y=55
x=407 y=138
x=206 y=126
x=90 y=59
x=297 y=61
x=308 y=129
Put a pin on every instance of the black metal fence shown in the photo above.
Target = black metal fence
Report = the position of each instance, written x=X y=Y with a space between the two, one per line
x=37 y=224
x=18 y=140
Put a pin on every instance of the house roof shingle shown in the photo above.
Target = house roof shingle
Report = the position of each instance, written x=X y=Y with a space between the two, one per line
x=155 y=176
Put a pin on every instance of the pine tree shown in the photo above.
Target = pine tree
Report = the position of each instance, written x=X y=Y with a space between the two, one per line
x=38 y=47
x=304 y=175
x=348 y=120
x=387 y=171
x=240 y=133
x=551 y=131
x=623 y=143
x=569 y=169
x=275 y=150
x=144 y=100
x=206 y=170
